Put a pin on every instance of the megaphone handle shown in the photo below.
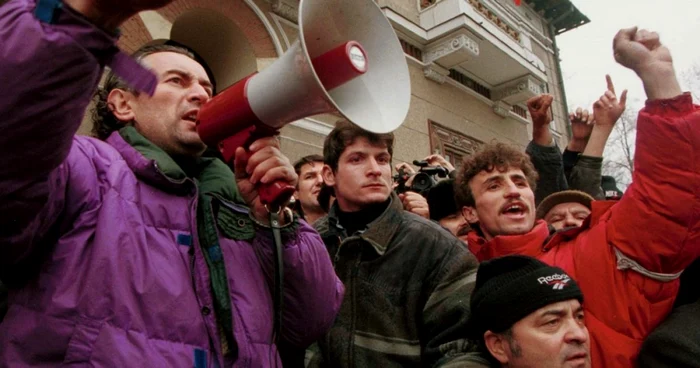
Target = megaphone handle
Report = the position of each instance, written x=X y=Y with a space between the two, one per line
x=273 y=194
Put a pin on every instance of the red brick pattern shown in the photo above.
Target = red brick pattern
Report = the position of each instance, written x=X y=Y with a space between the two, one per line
x=135 y=34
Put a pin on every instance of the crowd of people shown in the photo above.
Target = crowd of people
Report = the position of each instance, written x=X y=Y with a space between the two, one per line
x=139 y=246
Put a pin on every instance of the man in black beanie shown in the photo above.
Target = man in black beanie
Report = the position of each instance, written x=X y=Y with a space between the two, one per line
x=529 y=314
x=610 y=189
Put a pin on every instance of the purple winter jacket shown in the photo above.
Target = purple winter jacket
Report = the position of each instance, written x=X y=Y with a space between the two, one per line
x=115 y=284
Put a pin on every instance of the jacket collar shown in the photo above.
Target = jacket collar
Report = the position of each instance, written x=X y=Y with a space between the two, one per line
x=380 y=231
x=540 y=238
x=529 y=244
x=155 y=167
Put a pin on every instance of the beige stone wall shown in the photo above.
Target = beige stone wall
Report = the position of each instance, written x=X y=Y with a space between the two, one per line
x=559 y=113
x=454 y=108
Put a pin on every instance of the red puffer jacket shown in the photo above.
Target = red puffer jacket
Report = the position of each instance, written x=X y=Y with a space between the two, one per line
x=628 y=255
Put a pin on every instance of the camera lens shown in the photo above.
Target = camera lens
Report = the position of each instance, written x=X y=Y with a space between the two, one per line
x=421 y=182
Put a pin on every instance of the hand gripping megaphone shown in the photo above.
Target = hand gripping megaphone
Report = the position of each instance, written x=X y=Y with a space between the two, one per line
x=347 y=60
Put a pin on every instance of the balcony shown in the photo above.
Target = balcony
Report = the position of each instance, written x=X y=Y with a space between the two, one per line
x=468 y=37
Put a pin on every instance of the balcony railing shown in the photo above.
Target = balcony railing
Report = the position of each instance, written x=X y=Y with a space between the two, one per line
x=495 y=19
x=486 y=12
x=470 y=83
x=520 y=111
x=411 y=50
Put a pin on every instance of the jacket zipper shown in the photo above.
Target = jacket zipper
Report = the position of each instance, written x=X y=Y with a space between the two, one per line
x=195 y=243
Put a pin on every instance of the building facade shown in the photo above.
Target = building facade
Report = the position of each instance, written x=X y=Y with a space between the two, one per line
x=472 y=64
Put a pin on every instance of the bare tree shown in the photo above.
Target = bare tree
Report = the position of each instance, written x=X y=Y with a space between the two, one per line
x=690 y=80
x=619 y=151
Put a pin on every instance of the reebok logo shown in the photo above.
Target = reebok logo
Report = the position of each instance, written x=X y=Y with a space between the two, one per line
x=556 y=281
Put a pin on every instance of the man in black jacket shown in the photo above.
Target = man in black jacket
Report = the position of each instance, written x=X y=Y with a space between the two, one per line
x=408 y=281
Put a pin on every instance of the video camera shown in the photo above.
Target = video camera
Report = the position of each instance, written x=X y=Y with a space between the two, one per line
x=423 y=179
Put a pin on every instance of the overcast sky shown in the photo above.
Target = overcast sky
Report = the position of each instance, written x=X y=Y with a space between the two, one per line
x=586 y=52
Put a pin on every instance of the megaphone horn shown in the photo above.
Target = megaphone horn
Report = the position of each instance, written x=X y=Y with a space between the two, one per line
x=347 y=60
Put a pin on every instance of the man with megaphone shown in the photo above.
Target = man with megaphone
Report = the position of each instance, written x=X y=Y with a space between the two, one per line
x=137 y=250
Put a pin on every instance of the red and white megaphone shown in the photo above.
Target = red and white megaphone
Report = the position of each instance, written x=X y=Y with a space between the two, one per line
x=347 y=60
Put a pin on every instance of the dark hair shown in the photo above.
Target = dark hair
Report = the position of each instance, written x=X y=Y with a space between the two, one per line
x=486 y=353
x=306 y=160
x=494 y=156
x=344 y=134
x=441 y=200
x=104 y=121
x=324 y=197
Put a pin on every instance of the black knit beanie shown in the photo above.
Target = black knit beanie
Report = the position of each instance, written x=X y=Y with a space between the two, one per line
x=610 y=189
x=509 y=288
x=441 y=200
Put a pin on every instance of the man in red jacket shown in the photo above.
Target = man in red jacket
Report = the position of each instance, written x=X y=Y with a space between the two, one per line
x=626 y=257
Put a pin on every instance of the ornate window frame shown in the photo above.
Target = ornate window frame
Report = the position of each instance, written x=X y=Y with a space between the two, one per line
x=451 y=144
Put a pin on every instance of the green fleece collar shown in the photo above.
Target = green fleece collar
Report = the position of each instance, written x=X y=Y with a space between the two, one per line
x=213 y=176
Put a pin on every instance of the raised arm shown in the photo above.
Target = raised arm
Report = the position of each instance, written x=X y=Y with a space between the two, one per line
x=51 y=58
x=543 y=151
x=656 y=222
x=586 y=174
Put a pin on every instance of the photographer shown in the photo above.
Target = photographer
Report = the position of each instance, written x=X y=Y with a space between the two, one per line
x=413 y=187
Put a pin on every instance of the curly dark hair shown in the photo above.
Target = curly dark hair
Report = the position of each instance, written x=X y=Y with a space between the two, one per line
x=344 y=134
x=104 y=122
x=499 y=156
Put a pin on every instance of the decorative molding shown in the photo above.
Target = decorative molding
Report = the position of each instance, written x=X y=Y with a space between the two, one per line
x=288 y=9
x=449 y=142
x=518 y=90
x=436 y=73
x=452 y=51
x=502 y=109
x=495 y=19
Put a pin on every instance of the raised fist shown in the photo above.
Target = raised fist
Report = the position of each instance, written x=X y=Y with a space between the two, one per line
x=539 y=109
x=581 y=124
x=640 y=50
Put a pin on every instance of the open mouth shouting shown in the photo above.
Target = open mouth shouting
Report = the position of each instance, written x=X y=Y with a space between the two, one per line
x=514 y=210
